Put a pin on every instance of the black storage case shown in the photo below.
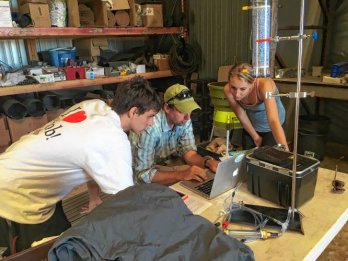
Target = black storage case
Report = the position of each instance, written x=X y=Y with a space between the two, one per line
x=274 y=183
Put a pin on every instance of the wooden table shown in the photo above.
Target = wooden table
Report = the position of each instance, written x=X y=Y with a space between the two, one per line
x=324 y=216
x=322 y=91
x=309 y=84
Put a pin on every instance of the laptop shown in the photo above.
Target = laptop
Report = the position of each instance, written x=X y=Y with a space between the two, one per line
x=227 y=176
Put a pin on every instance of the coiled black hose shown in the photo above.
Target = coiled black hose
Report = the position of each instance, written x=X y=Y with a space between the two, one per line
x=183 y=58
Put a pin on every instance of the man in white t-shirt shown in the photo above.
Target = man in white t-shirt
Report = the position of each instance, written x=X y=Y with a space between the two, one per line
x=86 y=143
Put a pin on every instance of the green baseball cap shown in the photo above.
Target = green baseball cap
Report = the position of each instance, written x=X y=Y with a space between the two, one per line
x=180 y=96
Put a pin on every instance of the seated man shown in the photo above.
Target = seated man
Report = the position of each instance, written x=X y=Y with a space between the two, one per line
x=171 y=135
x=86 y=143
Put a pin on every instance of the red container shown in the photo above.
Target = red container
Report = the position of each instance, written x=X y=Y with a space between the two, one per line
x=73 y=72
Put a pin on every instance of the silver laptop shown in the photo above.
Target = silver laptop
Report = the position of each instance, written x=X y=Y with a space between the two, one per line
x=226 y=177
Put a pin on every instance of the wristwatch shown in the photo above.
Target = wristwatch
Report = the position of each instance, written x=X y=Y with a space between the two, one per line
x=205 y=163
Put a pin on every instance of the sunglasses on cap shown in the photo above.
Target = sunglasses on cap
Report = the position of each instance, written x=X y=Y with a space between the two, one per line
x=181 y=96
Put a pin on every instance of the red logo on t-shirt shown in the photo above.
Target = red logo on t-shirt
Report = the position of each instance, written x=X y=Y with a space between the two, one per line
x=75 y=117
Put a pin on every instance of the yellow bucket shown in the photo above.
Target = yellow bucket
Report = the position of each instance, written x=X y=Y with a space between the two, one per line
x=224 y=119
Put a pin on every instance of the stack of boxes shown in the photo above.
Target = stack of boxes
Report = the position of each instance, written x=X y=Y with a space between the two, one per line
x=12 y=130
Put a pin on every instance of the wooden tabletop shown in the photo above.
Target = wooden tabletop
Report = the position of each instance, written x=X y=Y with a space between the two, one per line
x=324 y=216
x=309 y=84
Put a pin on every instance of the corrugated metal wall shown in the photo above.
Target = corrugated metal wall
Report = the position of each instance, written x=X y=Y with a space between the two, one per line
x=222 y=30
x=338 y=110
x=12 y=54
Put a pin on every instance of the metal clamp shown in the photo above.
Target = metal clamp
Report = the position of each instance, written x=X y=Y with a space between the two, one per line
x=269 y=95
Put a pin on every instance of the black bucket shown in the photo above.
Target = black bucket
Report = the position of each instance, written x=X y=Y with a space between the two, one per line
x=34 y=107
x=50 y=101
x=314 y=123
x=312 y=135
x=13 y=108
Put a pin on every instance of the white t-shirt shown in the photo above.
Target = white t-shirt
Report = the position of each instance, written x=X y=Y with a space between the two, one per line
x=85 y=142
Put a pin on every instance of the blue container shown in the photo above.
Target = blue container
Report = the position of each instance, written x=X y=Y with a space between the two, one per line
x=59 y=56
x=339 y=69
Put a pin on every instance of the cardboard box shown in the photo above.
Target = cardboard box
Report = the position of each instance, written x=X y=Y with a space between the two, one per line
x=51 y=115
x=223 y=73
x=161 y=61
x=73 y=13
x=134 y=14
x=18 y=128
x=3 y=123
x=335 y=80
x=5 y=138
x=5 y=14
x=98 y=71
x=141 y=68
x=39 y=14
x=90 y=46
x=100 y=9
x=3 y=148
x=45 y=78
x=120 y=5
x=86 y=15
x=152 y=15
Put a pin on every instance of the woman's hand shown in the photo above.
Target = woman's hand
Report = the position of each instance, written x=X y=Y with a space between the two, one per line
x=258 y=141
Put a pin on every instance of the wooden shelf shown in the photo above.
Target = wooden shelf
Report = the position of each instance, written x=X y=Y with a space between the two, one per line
x=63 y=85
x=72 y=32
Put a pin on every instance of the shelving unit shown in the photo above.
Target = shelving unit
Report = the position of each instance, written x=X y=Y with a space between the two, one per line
x=64 y=85
x=7 y=33
x=31 y=34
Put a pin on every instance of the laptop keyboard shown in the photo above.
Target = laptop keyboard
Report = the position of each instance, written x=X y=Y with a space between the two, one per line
x=206 y=187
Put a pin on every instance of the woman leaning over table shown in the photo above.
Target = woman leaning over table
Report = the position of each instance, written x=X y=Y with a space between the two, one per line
x=263 y=119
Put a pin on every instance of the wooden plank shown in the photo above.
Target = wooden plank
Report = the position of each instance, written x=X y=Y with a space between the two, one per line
x=72 y=32
x=322 y=90
x=73 y=206
x=38 y=253
x=64 y=85
x=31 y=50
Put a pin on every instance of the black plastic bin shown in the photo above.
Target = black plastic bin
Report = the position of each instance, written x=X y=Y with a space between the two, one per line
x=312 y=135
x=274 y=183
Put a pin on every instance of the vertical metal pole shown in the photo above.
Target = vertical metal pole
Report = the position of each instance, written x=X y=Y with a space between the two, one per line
x=297 y=108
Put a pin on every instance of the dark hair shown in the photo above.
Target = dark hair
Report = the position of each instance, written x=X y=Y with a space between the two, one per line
x=242 y=71
x=136 y=92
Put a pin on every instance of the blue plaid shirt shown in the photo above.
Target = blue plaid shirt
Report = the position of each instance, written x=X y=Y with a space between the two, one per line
x=157 y=143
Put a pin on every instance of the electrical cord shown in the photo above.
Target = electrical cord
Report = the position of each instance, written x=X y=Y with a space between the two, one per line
x=260 y=221
x=3 y=64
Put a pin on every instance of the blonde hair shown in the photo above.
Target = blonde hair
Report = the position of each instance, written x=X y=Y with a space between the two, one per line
x=242 y=71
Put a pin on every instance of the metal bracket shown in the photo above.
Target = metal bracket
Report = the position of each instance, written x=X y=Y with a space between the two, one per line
x=269 y=95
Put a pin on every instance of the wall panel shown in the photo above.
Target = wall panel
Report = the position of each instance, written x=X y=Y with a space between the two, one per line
x=222 y=30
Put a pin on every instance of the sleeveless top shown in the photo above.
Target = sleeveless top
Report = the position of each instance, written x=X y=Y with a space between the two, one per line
x=257 y=113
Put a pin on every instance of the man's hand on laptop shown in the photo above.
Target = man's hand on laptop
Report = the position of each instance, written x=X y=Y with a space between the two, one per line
x=212 y=164
x=194 y=173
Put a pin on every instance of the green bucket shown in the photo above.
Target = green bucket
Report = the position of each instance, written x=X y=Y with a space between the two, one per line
x=216 y=90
